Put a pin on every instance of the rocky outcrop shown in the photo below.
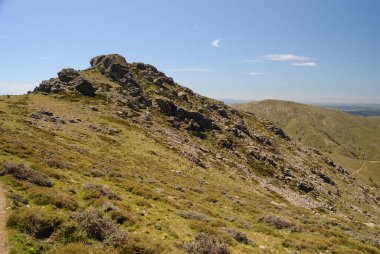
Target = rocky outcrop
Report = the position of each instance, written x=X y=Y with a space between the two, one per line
x=196 y=120
x=68 y=74
x=84 y=87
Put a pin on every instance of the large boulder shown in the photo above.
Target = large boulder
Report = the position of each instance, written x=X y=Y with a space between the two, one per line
x=167 y=106
x=84 y=87
x=66 y=75
x=116 y=68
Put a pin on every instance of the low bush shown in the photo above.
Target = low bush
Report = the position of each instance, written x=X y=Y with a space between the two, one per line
x=55 y=163
x=17 y=200
x=54 y=197
x=278 y=222
x=239 y=236
x=100 y=228
x=71 y=232
x=194 y=215
x=93 y=190
x=34 y=221
x=22 y=172
x=206 y=244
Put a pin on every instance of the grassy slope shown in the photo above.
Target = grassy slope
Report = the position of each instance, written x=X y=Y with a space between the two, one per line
x=350 y=140
x=155 y=184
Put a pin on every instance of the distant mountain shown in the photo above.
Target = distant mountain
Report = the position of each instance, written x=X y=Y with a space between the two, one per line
x=349 y=139
x=119 y=158
x=366 y=110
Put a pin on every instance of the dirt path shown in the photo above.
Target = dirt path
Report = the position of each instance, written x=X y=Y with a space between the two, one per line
x=357 y=171
x=3 y=233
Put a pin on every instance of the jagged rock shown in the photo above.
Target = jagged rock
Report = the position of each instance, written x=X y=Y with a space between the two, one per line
x=194 y=126
x=240 y=125
x=262 y=156
x=227 y=143
x=329 y=162
x=202 y=120
x=115 y=67
x=166 y=106
x=175 y=122
x=52 y=85
x=67 y=75
x=262 y=139
x=326 y=179
x=84 y=87
x=161 y=81
x=222 y=112
x=182 y=96
x=305 y=187
x=277 y=130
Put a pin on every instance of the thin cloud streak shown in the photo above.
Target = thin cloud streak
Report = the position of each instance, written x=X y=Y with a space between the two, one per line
x=305 y=64
x=285 y=57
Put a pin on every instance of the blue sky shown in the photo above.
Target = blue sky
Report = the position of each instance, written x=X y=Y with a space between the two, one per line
x=307 y=51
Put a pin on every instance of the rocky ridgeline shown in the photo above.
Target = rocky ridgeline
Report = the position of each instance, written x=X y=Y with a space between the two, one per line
x=143 y=94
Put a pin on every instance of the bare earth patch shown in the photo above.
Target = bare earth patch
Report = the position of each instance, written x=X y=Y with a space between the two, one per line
x=3 y=233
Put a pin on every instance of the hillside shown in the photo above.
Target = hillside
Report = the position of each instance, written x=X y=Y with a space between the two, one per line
x=118 y=158
x=350 y=140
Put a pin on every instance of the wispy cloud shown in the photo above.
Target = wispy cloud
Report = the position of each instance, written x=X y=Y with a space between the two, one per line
x=190 y=69
x=254 y=73
x=216 y=43
x=285 y=57
x=305 y=64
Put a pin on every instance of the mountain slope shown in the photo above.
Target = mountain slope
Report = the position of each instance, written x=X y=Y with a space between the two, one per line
x=119 y=158
x=350 y=140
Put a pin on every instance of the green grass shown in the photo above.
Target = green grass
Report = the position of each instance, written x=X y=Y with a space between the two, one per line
x=154 y=181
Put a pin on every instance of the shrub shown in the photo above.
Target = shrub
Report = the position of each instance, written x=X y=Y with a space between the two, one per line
x=94 y=190
x=71 y=232
x=22 y=172
x=142 y=245
x=55 y=163
x=239 y=236
x=17 y=199
x=100 y=228
x=278 y=222
x=56 y=198
x=194 y=216
x=206 y=244
x=118 y=216
x=36 y=222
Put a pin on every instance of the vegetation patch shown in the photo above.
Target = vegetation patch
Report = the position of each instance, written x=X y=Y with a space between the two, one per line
x=206 y=244
x=36 y=222
x=100 y=228
x=22 y=172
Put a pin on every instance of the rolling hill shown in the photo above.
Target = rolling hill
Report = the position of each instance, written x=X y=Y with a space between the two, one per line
x=353 y=141
x=119 y=158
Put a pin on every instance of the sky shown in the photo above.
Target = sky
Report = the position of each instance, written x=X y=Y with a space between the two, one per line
x=308 y=51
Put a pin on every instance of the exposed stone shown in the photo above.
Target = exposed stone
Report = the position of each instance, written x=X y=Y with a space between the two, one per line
x=166 y=106
x=161 y=81
x=67 y=75
x=305 y=187
x=84 y=87
x=223 y=112
x=277 y=130
x=52 y=85
x=182 y=96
